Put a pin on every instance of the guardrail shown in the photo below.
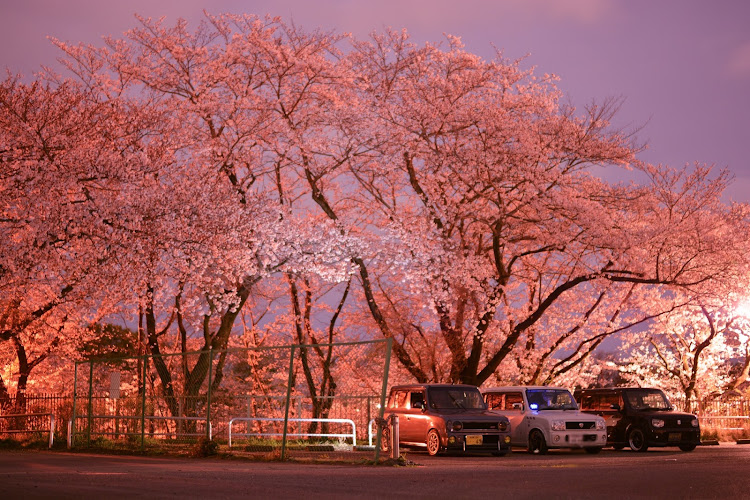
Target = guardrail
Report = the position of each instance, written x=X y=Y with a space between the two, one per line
x=353 y=434
x=139 y=417
x=710 y=418
x=21 y=415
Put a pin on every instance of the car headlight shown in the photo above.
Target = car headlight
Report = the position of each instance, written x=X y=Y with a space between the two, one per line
x=694 y=422
x=558 y=425
x=455 y=426
x=657 y=423
x=600 y=425
x=502 y=426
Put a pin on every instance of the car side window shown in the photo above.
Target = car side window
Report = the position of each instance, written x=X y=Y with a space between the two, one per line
x=399 y=399
x=589 y=403
x=416 y=400
x=495 y=401
x=607 y=400
x=512 y=398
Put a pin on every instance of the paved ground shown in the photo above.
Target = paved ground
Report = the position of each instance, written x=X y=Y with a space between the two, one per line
x=708 y=472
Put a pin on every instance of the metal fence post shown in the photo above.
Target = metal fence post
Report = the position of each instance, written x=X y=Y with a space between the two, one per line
x=71 y=426
x=383 y=392
x=51 y=429
x=91 y=401
x=395 y=452
x=288 y=401
x=143 y=404
x=208 y=391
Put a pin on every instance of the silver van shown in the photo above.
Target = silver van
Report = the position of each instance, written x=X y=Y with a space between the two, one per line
x=546 y=417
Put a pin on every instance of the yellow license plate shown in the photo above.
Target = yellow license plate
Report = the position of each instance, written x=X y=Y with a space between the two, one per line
x=474 y=440
x=675 y=436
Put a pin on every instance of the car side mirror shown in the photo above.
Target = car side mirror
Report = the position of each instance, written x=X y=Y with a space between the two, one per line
x=615 y=407
x=518 y=406
x=420 y=405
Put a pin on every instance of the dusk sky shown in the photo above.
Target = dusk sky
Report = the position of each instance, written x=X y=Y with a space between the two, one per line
x=683 y=66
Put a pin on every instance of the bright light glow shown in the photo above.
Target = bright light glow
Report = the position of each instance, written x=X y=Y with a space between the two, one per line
x=743 y=309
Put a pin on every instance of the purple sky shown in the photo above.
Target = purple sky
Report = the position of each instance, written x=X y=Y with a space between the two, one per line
x=683 y=66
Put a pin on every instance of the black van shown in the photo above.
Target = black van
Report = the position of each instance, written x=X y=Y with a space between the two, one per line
x=640 y=417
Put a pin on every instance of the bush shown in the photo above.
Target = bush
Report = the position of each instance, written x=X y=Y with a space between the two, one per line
x=206 y=448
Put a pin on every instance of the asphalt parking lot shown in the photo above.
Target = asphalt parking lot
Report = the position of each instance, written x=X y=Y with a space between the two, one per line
x=708 y=472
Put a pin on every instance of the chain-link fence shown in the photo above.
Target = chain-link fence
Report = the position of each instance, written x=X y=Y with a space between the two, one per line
x=318 y=401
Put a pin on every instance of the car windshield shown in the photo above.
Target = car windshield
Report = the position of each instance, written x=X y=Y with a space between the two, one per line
x=450 y=397
x=550 y=399
x=648 y=399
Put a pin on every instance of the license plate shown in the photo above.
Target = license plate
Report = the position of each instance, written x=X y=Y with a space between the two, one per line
x=474 y=439
x=674 y=436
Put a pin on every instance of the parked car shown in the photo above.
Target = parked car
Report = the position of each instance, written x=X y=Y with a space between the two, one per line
x=444 y=417
x=546 y=417
x=641 y=417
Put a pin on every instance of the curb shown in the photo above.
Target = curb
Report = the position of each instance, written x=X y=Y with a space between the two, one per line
x=743 y=441
x=710 y=442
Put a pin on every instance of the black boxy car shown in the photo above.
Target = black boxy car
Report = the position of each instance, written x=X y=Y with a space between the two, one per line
x=444 y=417
x=640 y=417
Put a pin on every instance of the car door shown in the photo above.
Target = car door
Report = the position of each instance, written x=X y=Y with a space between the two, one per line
x=413 y=422
x=397 y=405
x=511 y=405
x=612 y=416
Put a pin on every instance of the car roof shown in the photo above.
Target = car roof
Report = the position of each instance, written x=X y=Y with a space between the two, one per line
x=424 y=386
x=506 y=388
x=608 y=389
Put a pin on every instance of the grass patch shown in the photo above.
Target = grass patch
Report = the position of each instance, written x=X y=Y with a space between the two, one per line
x=36 y=441
x=717 y=434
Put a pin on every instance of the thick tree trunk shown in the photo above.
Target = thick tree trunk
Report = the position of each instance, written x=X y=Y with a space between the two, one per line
x=4 y=396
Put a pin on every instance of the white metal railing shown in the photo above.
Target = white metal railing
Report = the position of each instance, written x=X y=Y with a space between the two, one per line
x=141 y=417
x=724 y=418
x=352 y=435
x=20 y=415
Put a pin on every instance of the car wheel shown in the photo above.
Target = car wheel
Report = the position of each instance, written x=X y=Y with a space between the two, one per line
x=593 y=450
x=433 y=442
x=537 y=444
x=637 y=440
x=385 y=441
x=687 y=447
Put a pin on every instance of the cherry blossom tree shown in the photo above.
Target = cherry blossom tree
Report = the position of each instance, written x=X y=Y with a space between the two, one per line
x=206 y=228
x=486 y=191
x=56 y=224
x=685 y=353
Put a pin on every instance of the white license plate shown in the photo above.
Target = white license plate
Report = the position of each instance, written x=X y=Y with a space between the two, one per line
x=474 y=439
